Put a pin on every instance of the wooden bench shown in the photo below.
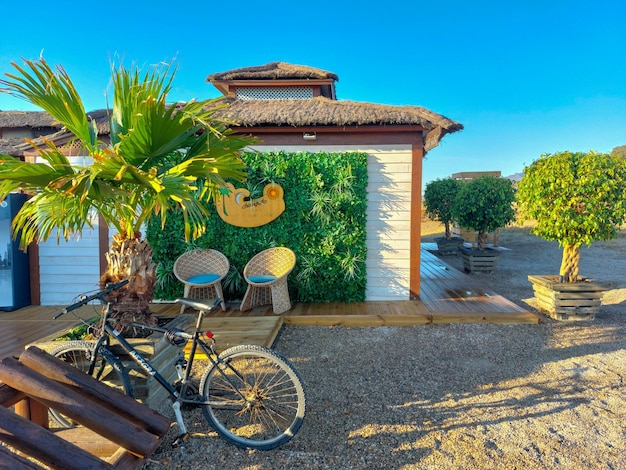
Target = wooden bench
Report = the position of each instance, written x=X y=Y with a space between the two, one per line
x=116 y=431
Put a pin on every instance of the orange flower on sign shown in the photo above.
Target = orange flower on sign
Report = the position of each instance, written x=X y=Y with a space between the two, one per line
x=273 y=193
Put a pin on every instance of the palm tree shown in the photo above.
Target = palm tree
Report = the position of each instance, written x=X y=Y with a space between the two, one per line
x=159 y=158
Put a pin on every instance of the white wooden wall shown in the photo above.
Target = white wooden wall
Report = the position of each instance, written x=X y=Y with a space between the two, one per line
x=388 y=223
x=69 y=268
x=388 y=215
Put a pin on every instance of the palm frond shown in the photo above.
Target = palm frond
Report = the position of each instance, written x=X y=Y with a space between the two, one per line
x=33 y=176
x=49 y=211
x=53 y=92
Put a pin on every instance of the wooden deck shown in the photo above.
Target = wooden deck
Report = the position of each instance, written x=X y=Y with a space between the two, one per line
x=447 y=296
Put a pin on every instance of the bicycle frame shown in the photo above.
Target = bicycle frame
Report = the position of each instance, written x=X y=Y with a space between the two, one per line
x=197 y=340
x=140 y=360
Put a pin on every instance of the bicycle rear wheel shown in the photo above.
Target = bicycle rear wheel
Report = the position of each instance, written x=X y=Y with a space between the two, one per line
x=256 y=397
x=107 y=368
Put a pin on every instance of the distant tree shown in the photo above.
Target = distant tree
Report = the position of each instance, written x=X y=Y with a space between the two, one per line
x=439 y=197
x=484 y=205
x=575 y=199
x=619 y=151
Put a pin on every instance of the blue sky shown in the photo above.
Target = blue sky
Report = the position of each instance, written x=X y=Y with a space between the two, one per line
x=524 y=78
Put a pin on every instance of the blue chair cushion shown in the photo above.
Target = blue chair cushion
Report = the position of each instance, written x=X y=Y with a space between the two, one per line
x=203 y=278
x=261 y=279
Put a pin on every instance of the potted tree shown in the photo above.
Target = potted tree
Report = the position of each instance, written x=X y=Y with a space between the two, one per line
x=483 y=205
x=439 y=197
x=574 y=198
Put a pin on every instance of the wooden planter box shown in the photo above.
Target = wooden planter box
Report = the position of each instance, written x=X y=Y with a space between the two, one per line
x=158 y=351
x=567 y=300
x=449 y=247
x=475 y=260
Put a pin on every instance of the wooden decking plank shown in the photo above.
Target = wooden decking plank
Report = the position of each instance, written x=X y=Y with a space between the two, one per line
x=485 y=317
x=450 y=290
x=358 y=320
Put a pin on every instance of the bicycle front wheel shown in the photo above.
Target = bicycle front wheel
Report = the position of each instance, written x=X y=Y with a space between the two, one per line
x=107 y=368
x=256 y=398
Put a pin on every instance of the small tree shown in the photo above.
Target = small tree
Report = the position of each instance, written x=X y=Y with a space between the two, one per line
x=575 y=199
x=484 y=205
x=439 y=197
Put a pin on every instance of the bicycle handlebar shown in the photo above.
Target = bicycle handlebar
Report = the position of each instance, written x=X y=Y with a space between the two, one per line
x=85 y=299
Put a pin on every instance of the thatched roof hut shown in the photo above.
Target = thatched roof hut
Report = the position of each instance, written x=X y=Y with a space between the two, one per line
x=321 y=109
x=295 y=108
x=40 y=126
x=15 y=126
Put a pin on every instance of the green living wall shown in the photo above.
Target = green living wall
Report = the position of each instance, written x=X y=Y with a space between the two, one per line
x=323 y=223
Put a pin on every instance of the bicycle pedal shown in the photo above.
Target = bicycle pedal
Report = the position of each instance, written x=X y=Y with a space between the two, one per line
x=180 y=439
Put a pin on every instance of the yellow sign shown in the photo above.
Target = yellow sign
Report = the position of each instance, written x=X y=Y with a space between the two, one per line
x=236 y=208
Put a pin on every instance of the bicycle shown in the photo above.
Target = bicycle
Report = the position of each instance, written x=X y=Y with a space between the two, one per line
x=251 y=396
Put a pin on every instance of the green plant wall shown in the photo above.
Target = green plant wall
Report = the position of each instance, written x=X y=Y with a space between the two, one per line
x=323 y=223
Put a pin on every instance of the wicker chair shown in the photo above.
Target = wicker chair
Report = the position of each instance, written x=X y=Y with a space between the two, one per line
x=266 y=274
x=202 y=271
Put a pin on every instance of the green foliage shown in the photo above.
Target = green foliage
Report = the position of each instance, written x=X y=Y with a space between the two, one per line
x=485 y=204
x=439 y=199
x=575 y=198
x=80 y=332
x=75 y=333
x=323 y=223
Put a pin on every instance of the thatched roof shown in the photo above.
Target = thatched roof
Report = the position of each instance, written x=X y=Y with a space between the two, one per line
x=322 y=111
x=9 y=147
x=318 y=111
x=34 y=119
x=17 y=119
x=103 y=123
x=274 y=71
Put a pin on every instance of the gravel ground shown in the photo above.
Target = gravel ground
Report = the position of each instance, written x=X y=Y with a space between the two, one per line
x=459 y=396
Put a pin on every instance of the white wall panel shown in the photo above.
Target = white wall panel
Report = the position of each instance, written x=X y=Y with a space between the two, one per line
x=68 y=268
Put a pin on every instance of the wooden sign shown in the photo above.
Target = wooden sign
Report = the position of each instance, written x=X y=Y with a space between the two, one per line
x=237 y=208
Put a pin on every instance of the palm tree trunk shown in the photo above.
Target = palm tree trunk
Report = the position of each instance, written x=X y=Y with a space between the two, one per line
x=131 y=258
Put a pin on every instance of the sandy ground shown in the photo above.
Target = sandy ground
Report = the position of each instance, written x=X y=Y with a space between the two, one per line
x=457 y=396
